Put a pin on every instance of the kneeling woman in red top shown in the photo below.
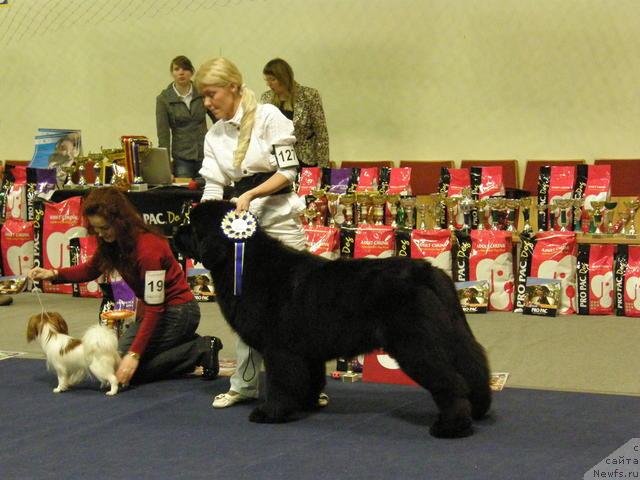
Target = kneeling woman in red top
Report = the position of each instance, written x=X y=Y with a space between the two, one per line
x=163 y=342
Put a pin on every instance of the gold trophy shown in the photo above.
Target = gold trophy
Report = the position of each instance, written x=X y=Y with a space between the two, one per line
x=115 y=162
x=466 y=206
x=68 y=170
x=409 y=205
x=633 y=206
x=378 y=202
x=333 y=199
x=97 y=159
x=451 y=203
x=347 y=202
x=422 y=215
x=525 y=204
x=597 y=216
x=362 y=211
x=609 y=215
x=82 y=162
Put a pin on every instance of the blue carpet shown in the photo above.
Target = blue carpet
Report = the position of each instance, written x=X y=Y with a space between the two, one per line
x=168 y=430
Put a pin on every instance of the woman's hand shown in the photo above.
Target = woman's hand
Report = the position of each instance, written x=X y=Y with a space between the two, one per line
x=127 y=368
x=38 y=273
x=243 y=201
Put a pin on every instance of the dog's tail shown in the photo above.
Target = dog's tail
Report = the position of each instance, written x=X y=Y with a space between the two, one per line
x=100 y=340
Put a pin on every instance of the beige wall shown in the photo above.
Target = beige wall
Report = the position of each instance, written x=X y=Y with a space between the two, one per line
x=400 y=79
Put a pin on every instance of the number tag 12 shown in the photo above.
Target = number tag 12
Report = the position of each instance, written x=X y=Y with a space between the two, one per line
x=285 y=156
x=154 y=287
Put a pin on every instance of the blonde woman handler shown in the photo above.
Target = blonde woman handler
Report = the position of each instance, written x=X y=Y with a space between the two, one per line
x=239 y=148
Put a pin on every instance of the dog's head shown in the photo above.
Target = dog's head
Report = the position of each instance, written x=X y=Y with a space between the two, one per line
x=203 y=239
x=37 y=322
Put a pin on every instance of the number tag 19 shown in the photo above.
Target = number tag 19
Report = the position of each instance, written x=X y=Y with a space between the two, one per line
x=285 y=156
x=154 y=287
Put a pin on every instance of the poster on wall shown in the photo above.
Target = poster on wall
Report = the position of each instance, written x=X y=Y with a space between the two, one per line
x=56 y=147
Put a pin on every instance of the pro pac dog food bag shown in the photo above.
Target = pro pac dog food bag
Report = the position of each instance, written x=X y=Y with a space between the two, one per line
x=549 y=255
x=487 y=255
x=627 y=280
x=595 y=279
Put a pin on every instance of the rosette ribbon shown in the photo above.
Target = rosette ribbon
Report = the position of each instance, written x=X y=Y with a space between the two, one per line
x=239 y=227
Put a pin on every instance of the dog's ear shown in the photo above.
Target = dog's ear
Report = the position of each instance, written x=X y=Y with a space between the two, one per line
x=55 y=319
x=34 y=327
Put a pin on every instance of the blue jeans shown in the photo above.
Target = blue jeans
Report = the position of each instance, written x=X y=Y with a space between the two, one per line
x=174 y=349
x=186 y=168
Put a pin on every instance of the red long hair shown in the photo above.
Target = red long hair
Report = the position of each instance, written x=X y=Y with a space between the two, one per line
x=118 y=212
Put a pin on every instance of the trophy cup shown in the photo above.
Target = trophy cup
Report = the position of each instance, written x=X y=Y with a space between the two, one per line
x=82 y=161
x=333 y=199
x=511 y=206
x=466 y=205
x=347 y=202
x=362 y=208
x=310 y=214
x=624 y=220
x=97 y=159
x=597 y=216
x=114 y=157
x=632 y=205
x=409 y=205
x=496 y=207
x=525 y=204
x=578 y=203
x=481 y=206
x=422 y=215
x=139 y=151
x=394 y=208
x=378 y=202
x=450 y=204
x=609 y=214
x=564 y=204
x=68 y=170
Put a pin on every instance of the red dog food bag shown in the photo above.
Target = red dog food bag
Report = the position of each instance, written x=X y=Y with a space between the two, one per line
x=627 y=280
x=555 y=256
x=374 y=241
x=81 y=250
x=310 y=179
x=62 y=222
x=434 y=246
x=399 y=181
x=16 y=238
x=323 y=241
x=368 y=179
x=491 y=259
x=16 y=202
x=598 y=186
x=595 y=279
x=561 y=184
x=487 y=182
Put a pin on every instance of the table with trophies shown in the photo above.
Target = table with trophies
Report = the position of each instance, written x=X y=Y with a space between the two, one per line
x=165 y=207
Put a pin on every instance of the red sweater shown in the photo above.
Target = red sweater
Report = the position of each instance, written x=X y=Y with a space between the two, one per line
x=152 y=254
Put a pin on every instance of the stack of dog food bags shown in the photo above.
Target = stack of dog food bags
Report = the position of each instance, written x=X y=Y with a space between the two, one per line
x=627 y=281
x=81 y=250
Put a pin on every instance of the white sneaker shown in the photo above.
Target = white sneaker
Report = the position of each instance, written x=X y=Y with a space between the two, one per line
x=229 y=399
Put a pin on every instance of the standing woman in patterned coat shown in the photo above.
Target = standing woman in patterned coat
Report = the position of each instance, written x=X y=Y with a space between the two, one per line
x=303 y=106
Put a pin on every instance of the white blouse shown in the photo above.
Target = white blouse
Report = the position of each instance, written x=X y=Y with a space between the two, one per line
x=270 y=128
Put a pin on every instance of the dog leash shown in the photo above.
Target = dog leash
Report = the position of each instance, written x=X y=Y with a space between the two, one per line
x=43 y=312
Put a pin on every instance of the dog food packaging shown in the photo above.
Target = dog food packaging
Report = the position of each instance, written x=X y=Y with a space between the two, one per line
x=627 y=280
x=473 y=296
x=16 y=200
x=487 y=255
x=5 y=186
x=201 y=283
x=116 y=295
x=339 y=180
x=395 y=181
x=542 y=297
x=434 y=246
x=368 y=179
x=62 y=222
x=544 y=178
x=597 y=185
x=81 y=250
x=487 y=182
x=16 y=240
x=310 y=179
x=323 y=241
x=40 y=181
x=452 y=182
x=374 y=241
x=379 y=367
x=551 y=255
x=595 y=279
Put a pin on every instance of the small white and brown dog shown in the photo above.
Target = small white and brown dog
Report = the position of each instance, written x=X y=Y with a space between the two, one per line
x=72 y=358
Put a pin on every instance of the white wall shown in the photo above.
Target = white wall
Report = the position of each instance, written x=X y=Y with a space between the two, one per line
x=400 y=79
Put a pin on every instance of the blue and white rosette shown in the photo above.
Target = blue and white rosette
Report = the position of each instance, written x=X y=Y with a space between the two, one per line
x=239 y=227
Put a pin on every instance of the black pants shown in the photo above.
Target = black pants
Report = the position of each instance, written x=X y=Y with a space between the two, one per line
x=174 y=349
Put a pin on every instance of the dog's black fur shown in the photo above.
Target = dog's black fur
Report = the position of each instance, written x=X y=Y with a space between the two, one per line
x=300 y=310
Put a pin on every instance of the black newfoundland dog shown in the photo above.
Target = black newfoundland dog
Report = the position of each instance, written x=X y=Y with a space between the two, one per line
x=300 y=310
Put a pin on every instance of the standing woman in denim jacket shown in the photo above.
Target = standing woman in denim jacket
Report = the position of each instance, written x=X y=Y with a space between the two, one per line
x=181 y=120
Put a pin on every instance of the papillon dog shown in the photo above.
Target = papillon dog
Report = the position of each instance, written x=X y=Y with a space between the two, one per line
x=72 y=358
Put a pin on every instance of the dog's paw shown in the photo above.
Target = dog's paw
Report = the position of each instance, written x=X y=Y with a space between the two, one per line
x=60 y=389
x=261 y=415
x=112 y=392
x=458 y=428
